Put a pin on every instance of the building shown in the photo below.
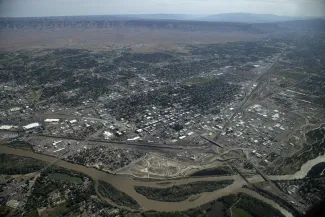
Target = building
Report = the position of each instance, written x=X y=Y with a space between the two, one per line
x=7 y=127
x=31 y=126
x=51 y=120
x=107 y=134
x=14 y=109
x=133 y=139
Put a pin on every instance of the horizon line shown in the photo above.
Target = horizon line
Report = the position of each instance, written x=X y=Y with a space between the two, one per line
x=204 y=15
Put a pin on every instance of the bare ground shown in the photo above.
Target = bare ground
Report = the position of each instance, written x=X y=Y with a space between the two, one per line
x=138 y=39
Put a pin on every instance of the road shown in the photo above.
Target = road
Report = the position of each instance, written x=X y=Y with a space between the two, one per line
x=209 y=140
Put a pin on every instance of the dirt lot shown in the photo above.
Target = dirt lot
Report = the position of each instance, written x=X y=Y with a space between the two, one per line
x=138 y=39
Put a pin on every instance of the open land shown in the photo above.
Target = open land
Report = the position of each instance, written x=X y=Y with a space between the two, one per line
x=181 y=192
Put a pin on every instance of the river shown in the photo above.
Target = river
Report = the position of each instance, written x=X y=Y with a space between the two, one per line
x=126 y=184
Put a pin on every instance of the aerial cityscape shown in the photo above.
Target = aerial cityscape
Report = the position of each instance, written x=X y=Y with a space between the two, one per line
x=147 y=117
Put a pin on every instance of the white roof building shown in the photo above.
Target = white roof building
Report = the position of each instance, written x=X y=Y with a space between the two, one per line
x=7 y=127
x=51 y=120
x=15 y=109
x=275 y=116
x=135 y=138
x=31 y=126
x=107 y=134
x=56 y=142
x=139 y=130
x=60 y=149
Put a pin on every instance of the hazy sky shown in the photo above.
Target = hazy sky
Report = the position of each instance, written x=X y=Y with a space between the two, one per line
x=27 y=8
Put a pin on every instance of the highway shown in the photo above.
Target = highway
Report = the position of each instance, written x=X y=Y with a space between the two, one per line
x=209 y=140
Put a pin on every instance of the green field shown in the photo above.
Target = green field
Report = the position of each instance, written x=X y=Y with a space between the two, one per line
x=65 y=177
x=5 y=210
x=20 y=145
x=181 y=192
x=21 y=165
x=240 y=212
x=217 y=171
x=249 y=206
x=215 y=209
x=118 y=197
x=32 y=213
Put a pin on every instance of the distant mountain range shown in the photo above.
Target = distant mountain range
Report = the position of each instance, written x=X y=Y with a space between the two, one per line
x=252 y=18
x=226 y=17
x=237 y=22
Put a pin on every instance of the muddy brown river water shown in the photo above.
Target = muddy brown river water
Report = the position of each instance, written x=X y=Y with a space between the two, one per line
x=126 y=184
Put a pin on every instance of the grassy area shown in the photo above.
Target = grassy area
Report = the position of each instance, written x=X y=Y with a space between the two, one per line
x=32 y=213
x=35 y=95
x=240 y=212
x=291 y=75
x=164 y=183
x=20 y=144
x=21 y=165
x=217 y=171
x=181 y=192
x=5 y=210
x=65 y=177
x=60 y=210
x=215 y=209
x=164 y=214
x=120 y=198
x=24 y=165
x=317 y=171
x=48 y=184
x=246 y=207
x=249 y=206
x=199 y=80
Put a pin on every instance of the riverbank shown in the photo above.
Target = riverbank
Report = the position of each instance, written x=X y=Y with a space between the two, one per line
x=126 y=185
